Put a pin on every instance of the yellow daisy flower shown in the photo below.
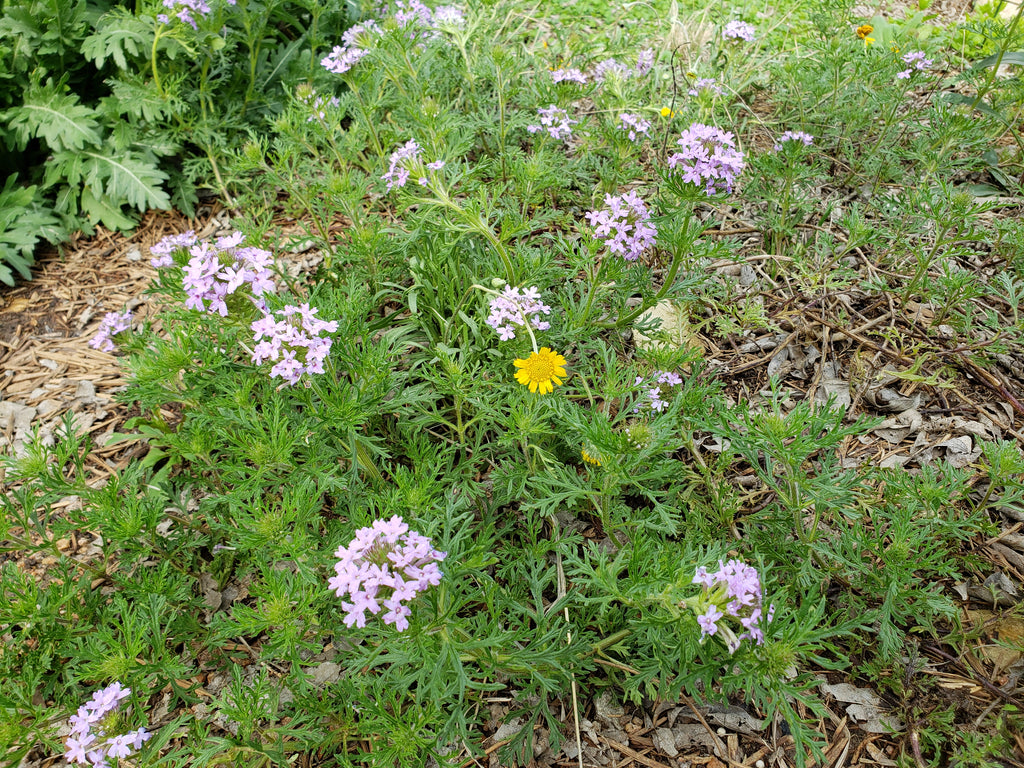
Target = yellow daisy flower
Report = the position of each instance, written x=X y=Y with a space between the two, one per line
x=666 y=112
x=541 y=371
x=864 y=31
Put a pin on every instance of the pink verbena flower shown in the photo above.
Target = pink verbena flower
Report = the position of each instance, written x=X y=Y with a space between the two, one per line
x=634 y=126
x=568 y=76
x=625 y=224
x=163 y=252
x=319 y=104
x=705 y=85
x=449 y=16
x=112 y=324
x=657 y=384
x=413 y=13
x=610 y=68
x=90 y=743
x=385 y=566
x=216 y=270
x=556 y=121
x=707 y=156
x=400 y=164
x=513 y=308
x=731 y=594
x=184 y=10
x=917 y=63
x=291 y=339
x=738 y=30
x=644 y=62
x=805 y=138
x=342 y=58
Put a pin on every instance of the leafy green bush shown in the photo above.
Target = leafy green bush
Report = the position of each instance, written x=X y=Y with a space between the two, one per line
x=23 y=222
x=111 y=110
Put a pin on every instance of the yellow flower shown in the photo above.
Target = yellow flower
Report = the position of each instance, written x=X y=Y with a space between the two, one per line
x=666 y=112
x=541 y=371
x=864 y=30
x=590 y=459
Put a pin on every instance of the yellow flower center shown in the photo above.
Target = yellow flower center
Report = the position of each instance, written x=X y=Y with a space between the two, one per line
x=864 y=30
x=542 y=371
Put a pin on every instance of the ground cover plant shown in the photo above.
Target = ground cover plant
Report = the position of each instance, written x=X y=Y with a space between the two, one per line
x=487 y=466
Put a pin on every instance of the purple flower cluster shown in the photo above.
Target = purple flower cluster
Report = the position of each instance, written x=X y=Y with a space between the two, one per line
x=342 y=58
x=399 y=164
x=319 y=105
x=556 y=121
x=413 y=13
x=355 y=42
x=163 y=252
x=705 y=84
x=292 y=341
x=800 y=136
x=386 y=565
x=404 y=161
x=738 y=30
x=634 y=126
x=625 y=224
x=916 y=62
x=568 y=75
x=708 y=156
x=610 y=68
x=659 y=380
x=619 y=71
x=183 y=10
x=217 y=270
x=449 y=16
x=644 y=62
x=734 y=590
x=89 y=742
x=514 y=307
x=111 y=325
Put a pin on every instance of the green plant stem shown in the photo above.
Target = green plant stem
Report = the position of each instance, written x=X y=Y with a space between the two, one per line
x=677 y=260
x=152 y=62
x=594 y=283
x=1003 y=45
x=365 y=112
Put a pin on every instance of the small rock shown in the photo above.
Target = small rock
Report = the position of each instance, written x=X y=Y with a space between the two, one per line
x=665 y=740
x=508 y=730
x=325 y=673
x=48 y=406
x=16 y=415
x=86 y=392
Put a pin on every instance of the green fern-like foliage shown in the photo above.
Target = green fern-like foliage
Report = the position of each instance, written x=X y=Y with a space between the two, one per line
x=23 y=222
